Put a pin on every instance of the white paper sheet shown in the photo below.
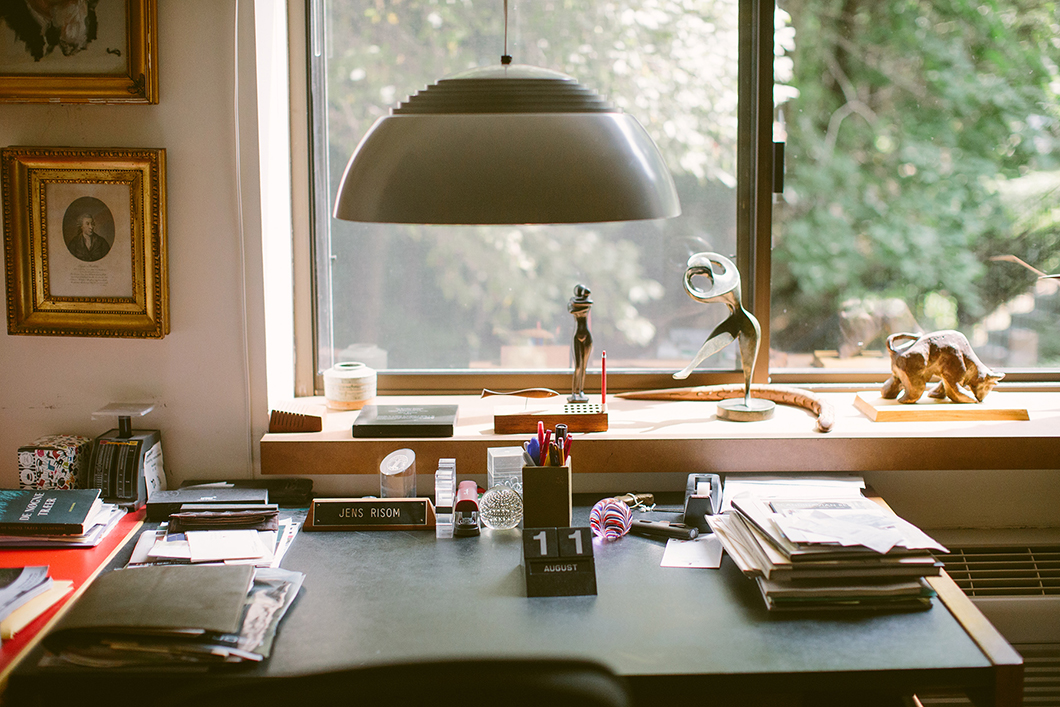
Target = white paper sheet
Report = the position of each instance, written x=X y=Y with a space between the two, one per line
x=792 y=486
x=219 y=545
x=703 y=553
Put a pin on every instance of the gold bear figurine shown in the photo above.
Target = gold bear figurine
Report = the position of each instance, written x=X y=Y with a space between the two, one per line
x=916 y=358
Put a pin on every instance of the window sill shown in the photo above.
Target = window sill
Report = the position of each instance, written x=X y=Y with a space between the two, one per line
x=652 y=436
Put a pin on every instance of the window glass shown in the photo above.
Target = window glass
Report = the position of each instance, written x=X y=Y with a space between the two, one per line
x=922 y=187
x=404 y=297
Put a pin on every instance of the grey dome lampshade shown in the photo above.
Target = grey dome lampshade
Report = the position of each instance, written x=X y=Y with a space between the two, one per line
x=506 y=145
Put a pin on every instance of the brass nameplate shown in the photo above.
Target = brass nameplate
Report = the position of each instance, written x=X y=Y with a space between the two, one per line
x=371 y=514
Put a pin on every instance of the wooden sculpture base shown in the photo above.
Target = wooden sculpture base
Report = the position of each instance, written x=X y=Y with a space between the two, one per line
x=578 y=417
x=927 y=409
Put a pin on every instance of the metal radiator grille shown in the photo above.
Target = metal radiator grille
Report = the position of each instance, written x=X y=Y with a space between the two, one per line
x=1041 y=681
x=1005 y=571
x=1041 y=675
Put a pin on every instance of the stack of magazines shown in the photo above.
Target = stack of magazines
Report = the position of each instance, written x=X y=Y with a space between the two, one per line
x=174 y=615
x=839 y=553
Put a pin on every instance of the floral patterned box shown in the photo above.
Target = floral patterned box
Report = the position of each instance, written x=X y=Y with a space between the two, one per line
x=54 y=462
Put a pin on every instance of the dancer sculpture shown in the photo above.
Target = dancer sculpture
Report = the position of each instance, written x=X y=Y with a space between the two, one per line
x=741 y=324
x=579 y=305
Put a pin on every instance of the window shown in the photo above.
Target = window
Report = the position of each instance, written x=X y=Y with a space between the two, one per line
x=922 y=178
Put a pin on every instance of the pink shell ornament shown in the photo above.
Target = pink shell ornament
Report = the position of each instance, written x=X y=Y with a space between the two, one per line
x=610 y=519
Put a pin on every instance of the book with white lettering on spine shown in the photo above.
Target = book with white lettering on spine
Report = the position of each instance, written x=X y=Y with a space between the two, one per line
x=47 y=512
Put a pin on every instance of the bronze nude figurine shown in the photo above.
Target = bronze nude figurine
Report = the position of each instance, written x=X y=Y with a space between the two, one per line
x=579 y=305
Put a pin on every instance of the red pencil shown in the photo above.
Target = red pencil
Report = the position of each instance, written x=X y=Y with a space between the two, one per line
x=603 y=378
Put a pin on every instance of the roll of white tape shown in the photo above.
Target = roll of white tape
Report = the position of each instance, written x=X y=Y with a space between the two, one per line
x=349 y=385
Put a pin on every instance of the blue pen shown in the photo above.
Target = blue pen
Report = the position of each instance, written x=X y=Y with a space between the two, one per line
x=533 y=448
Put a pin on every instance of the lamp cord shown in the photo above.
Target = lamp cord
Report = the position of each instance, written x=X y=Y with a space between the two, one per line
x=505 y=59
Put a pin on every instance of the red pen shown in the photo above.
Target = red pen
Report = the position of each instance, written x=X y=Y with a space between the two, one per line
x=541 y=441
x=566 y=446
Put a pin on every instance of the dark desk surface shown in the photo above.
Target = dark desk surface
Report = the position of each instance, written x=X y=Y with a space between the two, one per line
x=391 y=596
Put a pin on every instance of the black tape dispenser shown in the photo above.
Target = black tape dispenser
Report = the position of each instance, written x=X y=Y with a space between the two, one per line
x=702 y=499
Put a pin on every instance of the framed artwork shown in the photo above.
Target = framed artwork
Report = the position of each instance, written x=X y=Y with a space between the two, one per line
x=79 y=51
x=85 y=241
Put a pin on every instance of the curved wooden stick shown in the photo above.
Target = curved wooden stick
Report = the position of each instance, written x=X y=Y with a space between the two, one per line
x=524 y=393
x=777 y=393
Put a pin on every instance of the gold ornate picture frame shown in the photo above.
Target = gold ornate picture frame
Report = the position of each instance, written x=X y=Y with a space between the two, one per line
x=85 y=241
x=85 y=51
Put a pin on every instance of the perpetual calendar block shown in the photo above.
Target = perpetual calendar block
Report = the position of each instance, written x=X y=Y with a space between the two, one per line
x=559 y=562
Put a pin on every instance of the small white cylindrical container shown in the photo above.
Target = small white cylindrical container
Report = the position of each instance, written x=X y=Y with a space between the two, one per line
x=349 y=385
x=397 y=475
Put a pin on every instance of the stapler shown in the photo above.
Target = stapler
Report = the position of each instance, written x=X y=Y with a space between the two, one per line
x=465 y=509
x=702 y=499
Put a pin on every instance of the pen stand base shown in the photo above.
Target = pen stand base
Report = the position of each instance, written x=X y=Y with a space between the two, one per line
x=558 y=562
x=547 y=496
x=578 y=417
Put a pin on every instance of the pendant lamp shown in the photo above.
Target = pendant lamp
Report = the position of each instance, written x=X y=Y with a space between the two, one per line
x=510 y=144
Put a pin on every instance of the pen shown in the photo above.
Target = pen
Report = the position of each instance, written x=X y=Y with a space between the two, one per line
x=662 y=529
x=540 y=435
x=544 y=448
x=534 y=451
x=567 y=441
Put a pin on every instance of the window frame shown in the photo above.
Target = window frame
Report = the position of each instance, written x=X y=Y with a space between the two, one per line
x=755 y=168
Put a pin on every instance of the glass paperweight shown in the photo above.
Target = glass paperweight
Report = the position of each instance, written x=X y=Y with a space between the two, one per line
x=397 y=475
x=501 y=508
x=504 y=465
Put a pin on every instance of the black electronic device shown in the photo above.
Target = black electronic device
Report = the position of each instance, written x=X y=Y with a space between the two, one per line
x=702 y=499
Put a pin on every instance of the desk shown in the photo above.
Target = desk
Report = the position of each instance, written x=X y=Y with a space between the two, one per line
x=377 y=597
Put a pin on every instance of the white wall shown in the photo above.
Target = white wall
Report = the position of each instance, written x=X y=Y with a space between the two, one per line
x=200 y=374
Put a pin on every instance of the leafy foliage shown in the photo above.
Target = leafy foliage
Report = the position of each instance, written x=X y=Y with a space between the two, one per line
x=912 y=118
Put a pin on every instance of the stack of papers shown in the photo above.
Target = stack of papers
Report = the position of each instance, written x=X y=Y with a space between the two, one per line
x=261 y=548
x=25 y=594
x=842 y=552
x=174 y=615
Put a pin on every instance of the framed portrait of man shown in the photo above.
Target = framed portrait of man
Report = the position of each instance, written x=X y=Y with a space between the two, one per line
x=85 y=241
x=79 y=51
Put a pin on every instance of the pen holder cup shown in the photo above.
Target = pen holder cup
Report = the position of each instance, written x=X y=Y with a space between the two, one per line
x=547 y=496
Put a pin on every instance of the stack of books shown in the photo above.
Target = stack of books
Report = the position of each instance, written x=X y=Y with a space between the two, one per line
x=25 y=594
x=842 y=553
x=55 y=518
